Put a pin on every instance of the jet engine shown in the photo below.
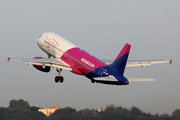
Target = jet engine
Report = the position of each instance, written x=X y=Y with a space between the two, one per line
x=40 y=67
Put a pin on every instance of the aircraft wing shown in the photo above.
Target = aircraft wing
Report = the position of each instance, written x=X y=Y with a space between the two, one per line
x=141 y=63
x=53 y=62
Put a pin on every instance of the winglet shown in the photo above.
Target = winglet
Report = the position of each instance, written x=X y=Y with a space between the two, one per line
x=170 y=61
x=8 y=58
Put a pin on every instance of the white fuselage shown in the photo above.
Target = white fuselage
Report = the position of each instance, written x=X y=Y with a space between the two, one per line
x=53 y=44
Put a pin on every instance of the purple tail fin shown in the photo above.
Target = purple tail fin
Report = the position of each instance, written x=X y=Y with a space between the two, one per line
x=119 y=63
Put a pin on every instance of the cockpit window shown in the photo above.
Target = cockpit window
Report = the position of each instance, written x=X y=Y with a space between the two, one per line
x=39 y=36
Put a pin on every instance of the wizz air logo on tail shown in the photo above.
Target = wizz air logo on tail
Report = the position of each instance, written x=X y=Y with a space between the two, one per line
x=87 y=62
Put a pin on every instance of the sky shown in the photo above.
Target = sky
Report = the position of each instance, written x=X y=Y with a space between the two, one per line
x=100 y=27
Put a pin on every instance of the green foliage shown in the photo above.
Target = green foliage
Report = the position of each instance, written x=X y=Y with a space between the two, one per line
x=34 y=108
x=87 y=114
x=35 y=114
x=17 y=113
x=136 y=111
x=67 y=113
x=19 y=103
x=110 y=113
x=2 y=113
x=176 y=115
x=20 y=110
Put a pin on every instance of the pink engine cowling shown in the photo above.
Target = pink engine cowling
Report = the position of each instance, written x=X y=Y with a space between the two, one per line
x=41 y=68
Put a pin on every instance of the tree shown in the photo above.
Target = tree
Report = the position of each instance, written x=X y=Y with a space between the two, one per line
x=114 y=113
x=20 y=109
x=19 y=103
x=87 y=114
x=176 y=115
x=67 y=113
x=34 y=108
x=2 y=113
x=17 y=113
x=37 y=115
x=136 y=111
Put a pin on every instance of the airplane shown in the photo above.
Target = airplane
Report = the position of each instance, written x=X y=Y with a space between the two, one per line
x=68 y=56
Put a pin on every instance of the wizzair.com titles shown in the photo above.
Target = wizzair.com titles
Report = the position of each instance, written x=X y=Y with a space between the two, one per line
x=87 y=62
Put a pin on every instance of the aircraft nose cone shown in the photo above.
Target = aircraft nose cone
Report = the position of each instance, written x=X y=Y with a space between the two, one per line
x=39 y=40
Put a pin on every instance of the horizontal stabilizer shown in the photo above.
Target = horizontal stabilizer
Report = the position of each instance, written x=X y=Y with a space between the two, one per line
x=113 y=79
x=140 y=79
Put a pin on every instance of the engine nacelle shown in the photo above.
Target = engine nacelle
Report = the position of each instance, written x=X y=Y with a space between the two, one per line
x=41 y=68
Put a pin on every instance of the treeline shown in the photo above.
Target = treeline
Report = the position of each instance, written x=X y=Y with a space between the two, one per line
x=21 y=110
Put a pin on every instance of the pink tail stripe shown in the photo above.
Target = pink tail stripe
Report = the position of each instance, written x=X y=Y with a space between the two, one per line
x=124 y=51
